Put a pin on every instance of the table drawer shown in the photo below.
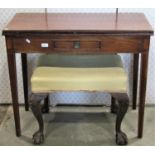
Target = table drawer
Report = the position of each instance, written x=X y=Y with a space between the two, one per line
x=52 y=45
x=102 y=44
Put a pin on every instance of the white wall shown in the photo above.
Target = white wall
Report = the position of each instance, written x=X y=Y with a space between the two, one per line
x=76 y=98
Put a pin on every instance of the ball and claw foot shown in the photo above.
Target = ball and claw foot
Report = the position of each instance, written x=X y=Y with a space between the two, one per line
x=38 y=137
x=121 y=138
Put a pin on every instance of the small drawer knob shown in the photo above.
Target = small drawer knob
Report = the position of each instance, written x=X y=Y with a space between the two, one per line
x=77 y=44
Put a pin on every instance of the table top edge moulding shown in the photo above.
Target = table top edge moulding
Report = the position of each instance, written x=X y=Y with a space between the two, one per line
x=82 y=23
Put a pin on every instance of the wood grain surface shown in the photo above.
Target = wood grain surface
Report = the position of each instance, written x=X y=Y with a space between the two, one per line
x=79 y=22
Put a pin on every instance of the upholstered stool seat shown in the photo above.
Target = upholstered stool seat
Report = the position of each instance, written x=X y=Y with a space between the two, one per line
x=110 y=79
x=86 y=73
x=103 y=73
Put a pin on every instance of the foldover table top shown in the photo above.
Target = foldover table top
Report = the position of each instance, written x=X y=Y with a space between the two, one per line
x=79 y=22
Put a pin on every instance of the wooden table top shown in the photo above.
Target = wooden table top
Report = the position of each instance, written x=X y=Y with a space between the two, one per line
x=79 y=22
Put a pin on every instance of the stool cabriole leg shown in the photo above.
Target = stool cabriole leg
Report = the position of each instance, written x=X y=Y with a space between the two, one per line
x=38 y=136
x=123 y=103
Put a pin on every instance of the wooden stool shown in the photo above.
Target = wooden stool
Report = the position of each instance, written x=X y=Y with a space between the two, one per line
x=102 y=73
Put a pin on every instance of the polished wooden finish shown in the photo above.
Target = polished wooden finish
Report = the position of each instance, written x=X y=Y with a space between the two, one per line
x=86 y=44
x=13 y=84
x=80 y=33
x=143 y=81
x=135 y=79
x=25 y=79
x=113 y=106
x=122 y=107
x=38 y=136
x=79 y=22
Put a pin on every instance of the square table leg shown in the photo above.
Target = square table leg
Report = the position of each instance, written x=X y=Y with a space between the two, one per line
x=14 y=91
x=143 y=80
x=25 y=79
x=135 y=79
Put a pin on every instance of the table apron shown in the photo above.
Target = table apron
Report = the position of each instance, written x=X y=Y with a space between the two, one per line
x=79 y=44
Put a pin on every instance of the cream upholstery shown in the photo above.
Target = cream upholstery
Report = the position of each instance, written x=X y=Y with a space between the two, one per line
x=97 y=75
x=47 y=79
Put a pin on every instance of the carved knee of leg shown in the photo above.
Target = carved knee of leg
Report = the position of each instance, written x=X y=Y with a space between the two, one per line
x=123 y=104
x=123 y=101
x=34 y=103
x=114 y=105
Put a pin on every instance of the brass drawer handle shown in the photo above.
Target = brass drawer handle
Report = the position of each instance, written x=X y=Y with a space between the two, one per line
x=77 y=44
